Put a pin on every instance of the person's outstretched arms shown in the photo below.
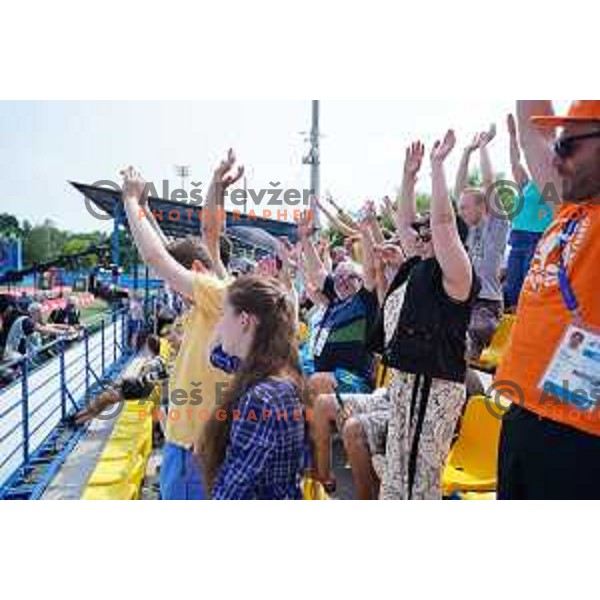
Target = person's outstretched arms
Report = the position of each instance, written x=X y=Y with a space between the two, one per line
x=370 y=218
x=462 y=175
x=310 y=287
x=537 y=143
x=390 y=256
x=343 y=216
x=448 y=247
x=144 y=205
x=212 y=224
x=335 y=221
x=147 y=240
x=316 y=271
x=406 y=209
x=389 y=210
x=488 y=177
x=407 y=204
x=368 y=258
x=519 y=172
x=322 y=248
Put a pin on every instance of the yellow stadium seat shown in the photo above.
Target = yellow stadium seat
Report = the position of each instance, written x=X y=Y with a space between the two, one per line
x=472 y=463
x=165 y=349
x=138 y=471
x=124 y=441
x=115 y=452
x=137 y=407
x=478 y=496
x=312 y=489
x=126 y=491
x=139 y=415
x=142 y=441
x=111 y=472
x=492 y=356
x=383 y=376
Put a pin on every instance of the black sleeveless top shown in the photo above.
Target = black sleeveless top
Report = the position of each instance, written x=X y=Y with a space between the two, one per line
x=430 y=337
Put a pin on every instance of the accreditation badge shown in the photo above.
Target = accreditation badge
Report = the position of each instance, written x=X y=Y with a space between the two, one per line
x=321 y=340
x=573 y=375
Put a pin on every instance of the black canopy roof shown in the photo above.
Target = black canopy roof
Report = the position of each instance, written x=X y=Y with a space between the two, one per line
x=178 y=219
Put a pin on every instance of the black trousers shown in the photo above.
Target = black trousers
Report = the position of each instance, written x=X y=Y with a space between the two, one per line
x=540 y=459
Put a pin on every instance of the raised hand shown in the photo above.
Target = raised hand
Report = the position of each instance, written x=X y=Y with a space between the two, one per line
x=225 y=175
x=475 y=144
x=306 y=226
x=369 y=211
x=333 y=203
x=487 y=136
x=389 y=254
x=322 y=246
x=441 y=150
x=414 y=159
x=134 y=185
x=512 y=126
x=286 y=251
x=387 y=201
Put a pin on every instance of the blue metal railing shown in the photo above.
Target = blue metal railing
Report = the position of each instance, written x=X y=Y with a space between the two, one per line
x=46 y=394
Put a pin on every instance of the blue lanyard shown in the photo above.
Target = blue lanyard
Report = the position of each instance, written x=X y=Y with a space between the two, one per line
x=566 y=289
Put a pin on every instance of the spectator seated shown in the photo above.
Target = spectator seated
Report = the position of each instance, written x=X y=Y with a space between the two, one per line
x=491 y=356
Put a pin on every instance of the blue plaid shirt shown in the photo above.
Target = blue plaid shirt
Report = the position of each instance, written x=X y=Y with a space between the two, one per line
x=264 y=458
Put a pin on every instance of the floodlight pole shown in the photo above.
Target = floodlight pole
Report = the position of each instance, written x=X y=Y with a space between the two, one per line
x=182 y=171
x=314 y=158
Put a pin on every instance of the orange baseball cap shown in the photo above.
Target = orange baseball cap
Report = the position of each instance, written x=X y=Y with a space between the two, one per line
x=581 y=111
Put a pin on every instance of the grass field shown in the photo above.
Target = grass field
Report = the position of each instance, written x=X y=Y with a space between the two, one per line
x=92 y=311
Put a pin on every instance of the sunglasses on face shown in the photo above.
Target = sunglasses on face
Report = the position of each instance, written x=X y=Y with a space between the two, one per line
x=565 y=147
x=423 y=230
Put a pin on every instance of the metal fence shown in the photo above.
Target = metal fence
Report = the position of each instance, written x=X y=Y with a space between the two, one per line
x=33 y=438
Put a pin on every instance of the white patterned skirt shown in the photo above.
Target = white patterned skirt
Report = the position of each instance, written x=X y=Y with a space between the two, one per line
x=423 y=418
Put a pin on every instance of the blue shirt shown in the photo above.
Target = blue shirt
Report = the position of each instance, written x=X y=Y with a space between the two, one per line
x=265 y=454
x=536 y=215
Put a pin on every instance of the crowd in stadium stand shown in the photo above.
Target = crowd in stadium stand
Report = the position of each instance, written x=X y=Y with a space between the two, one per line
x=381 y=338
x=25 y=330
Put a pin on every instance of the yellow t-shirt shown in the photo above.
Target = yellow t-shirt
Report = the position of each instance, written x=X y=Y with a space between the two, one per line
x=195 y=385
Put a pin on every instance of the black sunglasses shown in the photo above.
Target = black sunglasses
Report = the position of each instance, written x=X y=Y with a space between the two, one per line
x=565 y=147
x=423 y=229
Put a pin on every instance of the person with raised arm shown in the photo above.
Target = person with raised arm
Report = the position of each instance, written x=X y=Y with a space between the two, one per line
x=532 y=217
x=212 y=223
x=344 y=216
x=426 y=352
x=405 y=215
x=489 y=227
x=337 y=408
x=342 y=362
x=338 y=222
x=550 y=440
x=188 y=266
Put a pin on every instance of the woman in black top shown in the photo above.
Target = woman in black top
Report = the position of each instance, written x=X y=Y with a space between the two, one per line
x=426 y=353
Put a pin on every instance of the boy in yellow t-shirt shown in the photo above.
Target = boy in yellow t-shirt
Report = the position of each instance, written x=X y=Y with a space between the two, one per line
x=195 y=270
